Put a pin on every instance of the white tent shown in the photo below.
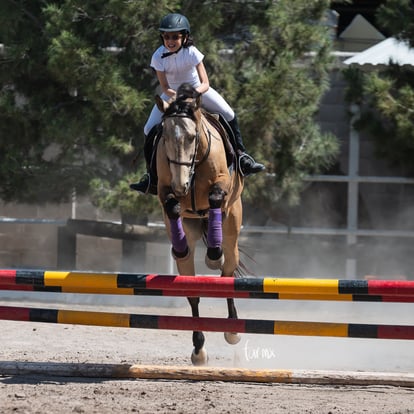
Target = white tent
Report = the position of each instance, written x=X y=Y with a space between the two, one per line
x=388 y=51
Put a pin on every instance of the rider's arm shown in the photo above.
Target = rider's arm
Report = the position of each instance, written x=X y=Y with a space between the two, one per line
x=162 y=79
x=202 y=74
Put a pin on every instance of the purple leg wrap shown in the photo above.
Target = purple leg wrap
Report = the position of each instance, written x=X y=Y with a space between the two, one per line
x=215 y=234
x=178 y=239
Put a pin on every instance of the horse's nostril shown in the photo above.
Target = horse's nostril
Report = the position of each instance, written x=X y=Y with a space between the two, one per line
x=181 y=190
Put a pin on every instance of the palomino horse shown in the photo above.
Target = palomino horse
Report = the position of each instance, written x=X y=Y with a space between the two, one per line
x=200 y=196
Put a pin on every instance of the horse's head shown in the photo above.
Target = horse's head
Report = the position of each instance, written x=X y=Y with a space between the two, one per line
x=181 y=136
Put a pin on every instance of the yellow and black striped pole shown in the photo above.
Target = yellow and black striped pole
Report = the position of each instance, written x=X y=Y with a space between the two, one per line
x=210 y=286
x=251 y=326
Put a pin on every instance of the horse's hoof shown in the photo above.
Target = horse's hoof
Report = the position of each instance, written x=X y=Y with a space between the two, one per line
x=216 y=264
x=232 y=338
x=199 y=359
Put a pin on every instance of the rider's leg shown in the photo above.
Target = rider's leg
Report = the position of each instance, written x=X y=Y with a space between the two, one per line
x=213 y=102
x=148 y=182
x=247 y=164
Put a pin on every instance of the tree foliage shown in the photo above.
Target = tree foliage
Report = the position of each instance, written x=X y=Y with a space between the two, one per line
x=283 y=73
x=72 y=97
x=76 y=89
x=386 y=95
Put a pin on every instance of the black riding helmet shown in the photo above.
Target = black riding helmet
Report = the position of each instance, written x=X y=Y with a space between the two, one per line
x=175 y=22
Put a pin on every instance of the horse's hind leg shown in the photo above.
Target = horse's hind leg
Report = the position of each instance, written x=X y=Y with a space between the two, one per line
x=232 y=337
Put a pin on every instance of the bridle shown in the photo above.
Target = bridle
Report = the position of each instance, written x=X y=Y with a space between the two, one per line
x=194 y=163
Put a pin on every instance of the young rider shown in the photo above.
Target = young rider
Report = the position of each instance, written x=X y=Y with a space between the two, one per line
x=177 y=61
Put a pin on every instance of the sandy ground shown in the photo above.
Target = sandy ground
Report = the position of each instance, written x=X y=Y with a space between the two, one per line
x=39 y=342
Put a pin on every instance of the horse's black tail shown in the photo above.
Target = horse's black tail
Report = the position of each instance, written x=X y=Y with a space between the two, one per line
x=242 y=270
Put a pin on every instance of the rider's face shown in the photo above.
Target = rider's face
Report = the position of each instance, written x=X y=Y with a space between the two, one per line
x=172 y=40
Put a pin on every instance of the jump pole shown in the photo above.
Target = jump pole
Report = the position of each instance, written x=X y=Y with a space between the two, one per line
x=185 y=373
x=186 y=323
x=268 y=285
x=211 y=294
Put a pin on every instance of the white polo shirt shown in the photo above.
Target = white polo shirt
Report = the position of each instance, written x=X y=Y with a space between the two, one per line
x=179 y=67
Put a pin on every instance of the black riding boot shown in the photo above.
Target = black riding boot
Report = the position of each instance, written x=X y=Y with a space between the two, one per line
x=247 y=165
x=148 y=182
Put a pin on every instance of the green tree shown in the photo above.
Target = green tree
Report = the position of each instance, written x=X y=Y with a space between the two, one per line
x=283 y=72
x=76 y=89
x=386 y=95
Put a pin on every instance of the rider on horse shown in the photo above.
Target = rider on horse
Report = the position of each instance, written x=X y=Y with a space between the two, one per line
x=177 y=61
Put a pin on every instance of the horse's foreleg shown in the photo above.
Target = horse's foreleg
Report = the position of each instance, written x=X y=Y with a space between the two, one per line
x=214 y=257
x=178 y=239
x=183 y=252
x=199 y=355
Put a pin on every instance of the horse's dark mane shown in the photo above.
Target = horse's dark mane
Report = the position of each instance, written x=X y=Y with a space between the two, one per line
x=183 y=104
x=186 y=91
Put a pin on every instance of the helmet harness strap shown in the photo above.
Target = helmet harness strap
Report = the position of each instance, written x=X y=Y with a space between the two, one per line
x=164 y=55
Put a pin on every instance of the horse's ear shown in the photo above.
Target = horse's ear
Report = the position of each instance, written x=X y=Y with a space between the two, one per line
x=161 y=104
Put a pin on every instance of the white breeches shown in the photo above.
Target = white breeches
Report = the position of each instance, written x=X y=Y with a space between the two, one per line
x=211 y=101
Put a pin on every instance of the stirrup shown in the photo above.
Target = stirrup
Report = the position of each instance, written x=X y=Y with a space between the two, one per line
x=144 y=185
x=247 y=165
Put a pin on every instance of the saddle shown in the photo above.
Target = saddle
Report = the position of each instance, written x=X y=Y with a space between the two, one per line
x=226 y=133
